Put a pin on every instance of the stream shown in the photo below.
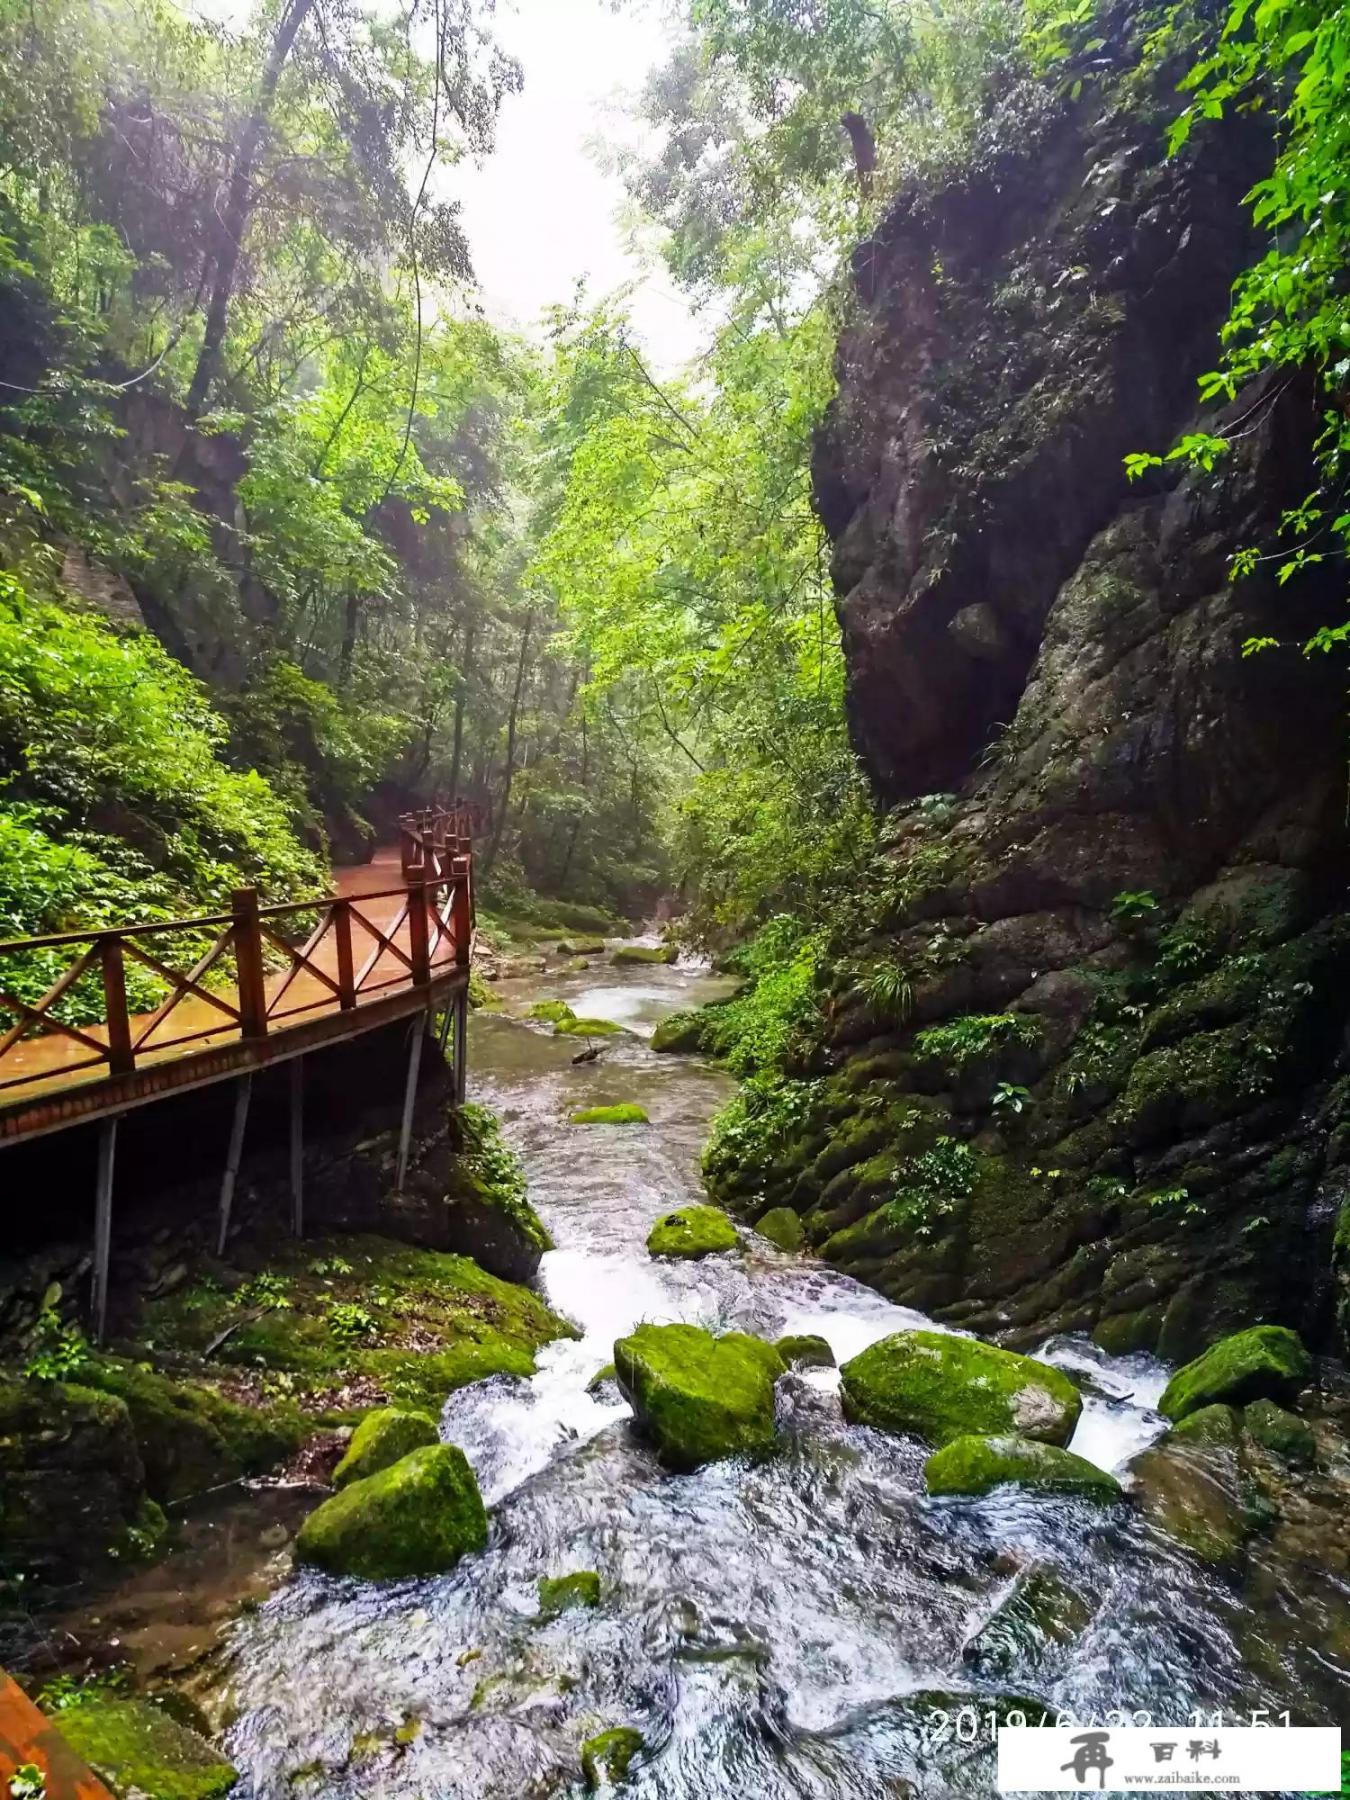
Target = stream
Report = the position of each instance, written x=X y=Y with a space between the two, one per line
x=813 y=1626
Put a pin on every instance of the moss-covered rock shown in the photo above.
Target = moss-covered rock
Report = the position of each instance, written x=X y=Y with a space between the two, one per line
x=551 y=1012
x=680 y=1034
x=1266 y=1362
x=600 y=1377
x=806 y=1350
x=944 y=1387
x=1194 y=1486
x=72 y=1484
x=582 y=947
x=1283 y=1433
x=417 y=1517
x=692 y=1231
x=782 y=1226
x=977 y=1465
x=488 y=1212
x=699 y=1397
x=641 y=953
x=586 y=1028
x=627 y=1112
x=561 y=1593
x=605 y=1757
x=383 y=1437
x=190 y=1438
x=137 y=1748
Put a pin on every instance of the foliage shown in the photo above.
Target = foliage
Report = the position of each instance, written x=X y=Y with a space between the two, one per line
x=1133 y=907
x=754 y=1031
x=975 y=1036
x=59 y=1351
x=1010 y=1097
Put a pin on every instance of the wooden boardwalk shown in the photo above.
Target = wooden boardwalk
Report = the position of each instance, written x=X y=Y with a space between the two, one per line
x=27 y=1737
x=98 y=1021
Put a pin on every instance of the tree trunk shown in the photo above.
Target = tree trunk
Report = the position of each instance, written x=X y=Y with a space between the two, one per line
x=512 y=718
x=461 y=700
x=238 y=206
x=576 y=823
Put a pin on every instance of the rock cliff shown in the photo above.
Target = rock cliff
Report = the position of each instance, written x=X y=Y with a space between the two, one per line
x=1106 y=1091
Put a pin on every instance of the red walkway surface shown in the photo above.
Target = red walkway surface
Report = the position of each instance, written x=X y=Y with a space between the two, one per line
x=27 y=1737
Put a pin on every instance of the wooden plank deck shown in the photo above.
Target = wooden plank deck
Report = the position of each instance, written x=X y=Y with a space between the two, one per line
x=26 y=1736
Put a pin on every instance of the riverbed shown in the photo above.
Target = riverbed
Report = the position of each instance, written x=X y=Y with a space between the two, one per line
x=811 y=1626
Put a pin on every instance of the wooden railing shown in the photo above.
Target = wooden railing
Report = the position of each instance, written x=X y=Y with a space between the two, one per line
x=133 y=996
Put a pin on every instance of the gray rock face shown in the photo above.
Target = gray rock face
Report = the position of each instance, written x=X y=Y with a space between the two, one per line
x=1140 y=841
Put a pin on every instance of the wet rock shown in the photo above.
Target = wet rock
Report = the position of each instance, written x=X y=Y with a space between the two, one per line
x=586 y=1028
x=692 y=1231
x=977 y=1465
x=631 y=954
x=1195 y=1486
x=551 y=1012
x=681 y=1033
x=1266 y=1362
x=806 y=1351
x=562 y=1593
x=782 y=1226
x=417 y=1517
x=72 y=1484
x=600 y=1377
x=383 y=1437
x=627 y=1112
x=605 y=1757
x=138 y=1749
x=582 y=947
x=1282 y=1433
x=942 y=1387
x=1041 y=1614
x=699 y=1397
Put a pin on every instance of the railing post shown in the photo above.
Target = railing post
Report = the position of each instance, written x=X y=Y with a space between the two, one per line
x=461 y=870
x=121 y=1055
x=418 y=937
x=248 y=962
x=346 y=974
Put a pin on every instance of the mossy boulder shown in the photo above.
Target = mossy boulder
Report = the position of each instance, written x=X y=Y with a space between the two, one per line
x=417 y=1517
x=627 y=1112
x=699 y=1397
x=582 y=947
x=551 y=1012
x=806 y=1350
x=642 y=953
x=72 y=1484
x=692 y=1231
x=782 y=1226
x=1195 y=1487
x=680 y=1034
x=942 y=1387
x=136 y=1747
x=586 y=1028
x=977 y=1465
x=383 y=1437
x=1266 y=1362
x=563 y=1593
x=605 y=1757
x=1282 y=1433
x=190 y=1438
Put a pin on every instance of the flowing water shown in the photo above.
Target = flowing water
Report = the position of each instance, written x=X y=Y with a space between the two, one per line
x=813 y=1626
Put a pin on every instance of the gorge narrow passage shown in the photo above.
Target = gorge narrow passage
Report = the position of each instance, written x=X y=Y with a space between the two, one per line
x=813 y=1626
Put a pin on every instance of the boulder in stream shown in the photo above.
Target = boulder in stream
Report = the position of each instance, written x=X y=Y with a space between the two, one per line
x=627 y=1112
x=644 y=953
x=138 y=1749
x=564 y=1593
x=700 y=1397
x=417 y=1517
x=680 y=1034
x=1196 y=1486
x=782 y=1226
x=605 y=1757
x=977 y=1465
x=806 y=1350
x=383 y=1437
x=550 y=1012
x=1266 y=1362
x=692 y=1231
x=942 y=1387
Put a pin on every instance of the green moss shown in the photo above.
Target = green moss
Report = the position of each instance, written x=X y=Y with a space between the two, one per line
x=600 y=1377
x=382 y=1438
x=806 y=1350
x=977 y=1037
x=482 y=995
x=582 y=947
x=553 y=1012
x=692 y=1231
x=1266 y=1362
x=627 y=1112
x=417 y=1517
x=133 y=1745
x=560 y=1593
x=1282 y=1433
x=494 y=1176
x=943 y=1387
x=605 y=1757
x=640 y=953
x=977 y=1465
x=1193 y=1486
x=191 y=1439
x=586 y=1028
x=700 y=1397
x=681 y=1033
x=482 y=1325
x=782 y=1226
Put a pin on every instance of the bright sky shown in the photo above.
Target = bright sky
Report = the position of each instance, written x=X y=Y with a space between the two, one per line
x=541 y=213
